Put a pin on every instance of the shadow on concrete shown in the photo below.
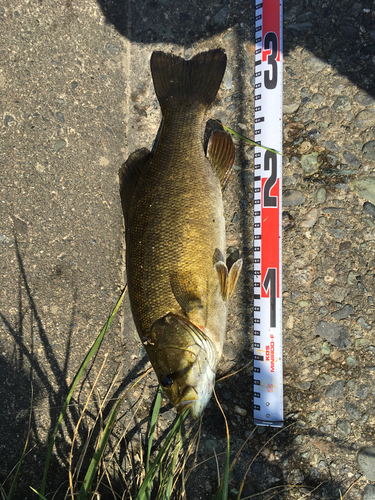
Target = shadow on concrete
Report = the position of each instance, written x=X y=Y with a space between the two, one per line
x=28 y=393
x=339 y=33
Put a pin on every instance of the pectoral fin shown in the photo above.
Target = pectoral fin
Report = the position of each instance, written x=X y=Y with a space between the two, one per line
x=233 y=276
x=185 y=292
x=129 y=174
x=222 y=272
x=220 y=152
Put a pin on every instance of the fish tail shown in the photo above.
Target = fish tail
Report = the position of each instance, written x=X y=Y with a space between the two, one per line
x=179 y=82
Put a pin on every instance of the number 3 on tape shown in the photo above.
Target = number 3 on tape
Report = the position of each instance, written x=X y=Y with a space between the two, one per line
x=268 y=371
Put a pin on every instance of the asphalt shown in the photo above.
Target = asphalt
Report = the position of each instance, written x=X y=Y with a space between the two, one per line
x=77 y=99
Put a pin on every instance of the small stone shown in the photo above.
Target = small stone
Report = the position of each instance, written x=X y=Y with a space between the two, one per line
x=228 y=79
x=325 y=348
x=336 y=232
x=351 y=279
x=369 y=208
x=240 y=411
x=39 y=168
x=314 y=415
x=331 y=210
x=353 y=411
x=343 y=426
x=306 y=454
x=363 y=323
x=342 y=103
x=60 y=117
x=220 y=16
x=332 y=146
x=321 y=195
x=366 y=461
x=335 y=390
x=351 y=159
x=361 y=342
x=9 y=119
x=317 y=99
x=74 y=85
x=303 y=386
x=313 y=134
x=363 y=391
x=310 y=163
x=351 y=361
x=365 y=118
x=338 y=293
x=309 y=219
x=293 y=197
x=337 y=356
x=337 y=335
x=364 y=99
x=5 y=240
x=315 y=64
x=287 y=221
x=303 y=303
x=290 y=108
x=369 y=150
x=332 y=159
x=112 y=48
x=345 y=245
x=59 y=145
x=344 y=312
x=323 y=311
x=54 y=309
x=297 y=440
x=364 y=187
x=369 y=492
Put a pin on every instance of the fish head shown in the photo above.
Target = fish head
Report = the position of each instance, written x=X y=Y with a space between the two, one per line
x=185 y=360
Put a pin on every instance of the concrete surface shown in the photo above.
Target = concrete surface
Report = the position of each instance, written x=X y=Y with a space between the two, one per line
x=77 y=98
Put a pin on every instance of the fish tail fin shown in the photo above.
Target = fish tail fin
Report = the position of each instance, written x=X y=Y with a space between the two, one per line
x=179 y=82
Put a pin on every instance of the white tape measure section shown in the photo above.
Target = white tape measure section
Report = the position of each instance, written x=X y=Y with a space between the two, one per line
x=268 y=356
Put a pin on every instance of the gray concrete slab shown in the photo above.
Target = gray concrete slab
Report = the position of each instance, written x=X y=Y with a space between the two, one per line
x=77 y=98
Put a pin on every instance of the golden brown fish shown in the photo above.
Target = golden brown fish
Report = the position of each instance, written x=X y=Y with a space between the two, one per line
x=178 y=281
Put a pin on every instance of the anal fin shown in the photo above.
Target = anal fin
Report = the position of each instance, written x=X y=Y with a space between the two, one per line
x=129 y=175
x=222 y=272
x=233 y=276
x=220 y=152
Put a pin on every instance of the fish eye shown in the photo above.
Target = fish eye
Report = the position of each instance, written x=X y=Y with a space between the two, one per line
x=166 y=381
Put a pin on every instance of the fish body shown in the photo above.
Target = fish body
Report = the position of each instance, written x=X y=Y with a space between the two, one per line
x=175 y=232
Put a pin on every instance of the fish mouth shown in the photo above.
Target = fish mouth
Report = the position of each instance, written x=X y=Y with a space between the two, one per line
x=185 y=405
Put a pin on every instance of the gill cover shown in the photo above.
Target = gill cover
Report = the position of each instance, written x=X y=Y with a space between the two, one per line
x=184 y=359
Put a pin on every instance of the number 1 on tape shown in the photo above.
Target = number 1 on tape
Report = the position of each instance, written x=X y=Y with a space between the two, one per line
x=268 y=370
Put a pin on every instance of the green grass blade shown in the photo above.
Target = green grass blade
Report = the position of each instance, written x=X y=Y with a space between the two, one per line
x=155 y=467
x=171 y=469
x=39 y=494
x=222 y=491
x=243 y=137
x=154 y=419
x=249 y=140
x=91 y=471
x=77 y=378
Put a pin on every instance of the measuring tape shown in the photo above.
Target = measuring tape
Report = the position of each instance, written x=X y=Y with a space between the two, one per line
x=268 y=354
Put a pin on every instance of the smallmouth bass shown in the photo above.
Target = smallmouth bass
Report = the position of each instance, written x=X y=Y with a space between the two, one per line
x=178 y=282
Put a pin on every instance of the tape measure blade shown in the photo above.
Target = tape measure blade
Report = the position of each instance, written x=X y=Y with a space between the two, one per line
x=268 y=356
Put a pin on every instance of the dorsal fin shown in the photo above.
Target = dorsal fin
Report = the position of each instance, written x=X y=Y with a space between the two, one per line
x=233 y=276
x=220 y=152
x=129 y=174
x=222 y=272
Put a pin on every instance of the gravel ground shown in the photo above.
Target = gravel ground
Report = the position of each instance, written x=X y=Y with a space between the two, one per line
x=77 y=99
